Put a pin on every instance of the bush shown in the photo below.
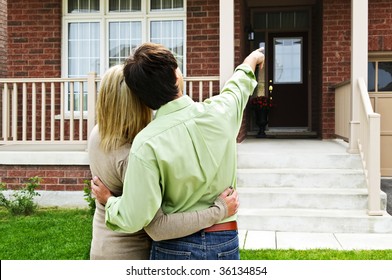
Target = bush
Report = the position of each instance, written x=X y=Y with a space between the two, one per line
x=87 y=196
x=21 y=202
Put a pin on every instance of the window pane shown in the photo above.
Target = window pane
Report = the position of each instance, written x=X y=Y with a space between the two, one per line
x=166 y=5
x=83 y=6
x=123 y=36
x=136 y=5
x=287 y=20
x=385 y=76
x=114 y=5
x=73 y=6
x=124 y=5
x=83 y=49
x=274 y=20
x=171 y=35
x=302 y=19
x=178 y=4
x=371 y=76
x=155 y=4
x=287 y=60
x=260 y=20
x=94 y=5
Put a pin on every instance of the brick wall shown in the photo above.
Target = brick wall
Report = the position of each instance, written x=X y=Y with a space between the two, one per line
x=380 y=25
x=202 y=38
x=3 y=38
x=34 y=38
x=55 y=178
x=336 y=58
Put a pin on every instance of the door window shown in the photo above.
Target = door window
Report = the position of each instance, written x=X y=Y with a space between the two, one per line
x=287 y=60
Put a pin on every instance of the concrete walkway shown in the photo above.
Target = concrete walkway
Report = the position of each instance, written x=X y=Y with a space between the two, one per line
x=256 y=240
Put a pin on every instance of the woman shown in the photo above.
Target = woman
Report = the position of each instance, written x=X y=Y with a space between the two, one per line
x=120 y=116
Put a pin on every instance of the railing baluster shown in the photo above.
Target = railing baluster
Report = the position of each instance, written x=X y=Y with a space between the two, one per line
x=81 y=97
x=91 y=99
x=200 y=91
x=33 y=111
x=14 y=113
x=52 y=111
x=72 y=106
x=24 y=112
x=191 y=89
x=43 y=111
x=6 y=115
x=211 y=89
x=62 y=111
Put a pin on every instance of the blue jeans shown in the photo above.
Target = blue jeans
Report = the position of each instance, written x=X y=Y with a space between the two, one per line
x=220 y=245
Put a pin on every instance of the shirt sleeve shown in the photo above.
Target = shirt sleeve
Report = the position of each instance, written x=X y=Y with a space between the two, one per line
x=170 y=226
x=240 y=86
x=140 y=200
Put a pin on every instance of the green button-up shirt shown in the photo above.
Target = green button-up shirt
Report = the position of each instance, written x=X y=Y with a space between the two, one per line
x=184 y=158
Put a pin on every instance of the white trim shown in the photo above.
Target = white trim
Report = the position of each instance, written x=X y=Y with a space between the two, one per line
x=226 y=43
x=66 y=199
x=44 y=157
x=359 y=63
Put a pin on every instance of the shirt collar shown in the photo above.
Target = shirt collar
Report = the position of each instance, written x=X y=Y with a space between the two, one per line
x=175 y=105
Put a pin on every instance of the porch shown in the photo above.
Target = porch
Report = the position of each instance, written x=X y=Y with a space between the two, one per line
x=38 y=127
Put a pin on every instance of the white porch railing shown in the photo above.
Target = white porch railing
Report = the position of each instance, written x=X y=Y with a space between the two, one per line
x=368 y=138
x=49 y=110
x=369 y=148
x=342 y=110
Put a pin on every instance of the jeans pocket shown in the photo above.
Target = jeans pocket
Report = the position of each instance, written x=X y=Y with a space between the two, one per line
x=233 y=254
x=159 y=253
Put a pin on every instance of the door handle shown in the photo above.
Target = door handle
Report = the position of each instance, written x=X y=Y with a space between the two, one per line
x=270 y=88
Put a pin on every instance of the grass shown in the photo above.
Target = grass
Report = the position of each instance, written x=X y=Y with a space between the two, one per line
x=47 y=235
x=54 y=234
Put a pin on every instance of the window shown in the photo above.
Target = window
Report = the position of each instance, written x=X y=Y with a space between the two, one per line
x=290 y=20
x=380 y=75
x=287 y=60
x=102 y=33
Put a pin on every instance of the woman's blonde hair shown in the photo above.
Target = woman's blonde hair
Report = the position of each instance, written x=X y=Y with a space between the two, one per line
x=120 y=113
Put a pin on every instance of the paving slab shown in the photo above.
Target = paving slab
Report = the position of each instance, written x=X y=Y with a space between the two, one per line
x=256 y=240
x=364 y=241
x=304 y=241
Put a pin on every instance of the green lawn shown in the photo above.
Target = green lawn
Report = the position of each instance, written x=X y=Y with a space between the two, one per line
x=53 y=234
x=47 y=235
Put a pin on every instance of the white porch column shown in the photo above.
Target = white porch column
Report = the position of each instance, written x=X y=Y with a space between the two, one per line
x=359 y=61
x=226 y=44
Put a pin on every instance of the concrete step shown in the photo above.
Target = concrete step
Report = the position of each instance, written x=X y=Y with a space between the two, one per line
x=305 y=198
x=313 y=220
x=276 y=159
x=301 y=178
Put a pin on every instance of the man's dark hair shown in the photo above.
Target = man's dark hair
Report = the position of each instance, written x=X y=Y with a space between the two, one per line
x=151 y=74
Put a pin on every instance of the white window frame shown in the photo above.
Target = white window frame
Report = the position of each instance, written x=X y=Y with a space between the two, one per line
x=377 y=58
x=104 y=17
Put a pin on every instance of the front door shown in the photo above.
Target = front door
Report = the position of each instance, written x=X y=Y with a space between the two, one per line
x=287 y=79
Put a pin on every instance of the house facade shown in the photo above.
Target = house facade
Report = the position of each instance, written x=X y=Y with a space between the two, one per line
x=311 y=51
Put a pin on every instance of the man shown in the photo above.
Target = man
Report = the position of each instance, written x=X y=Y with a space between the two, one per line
x=184 y=158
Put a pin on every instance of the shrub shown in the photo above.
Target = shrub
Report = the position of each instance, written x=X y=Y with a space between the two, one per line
x=87 y=196
x=21 y=202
